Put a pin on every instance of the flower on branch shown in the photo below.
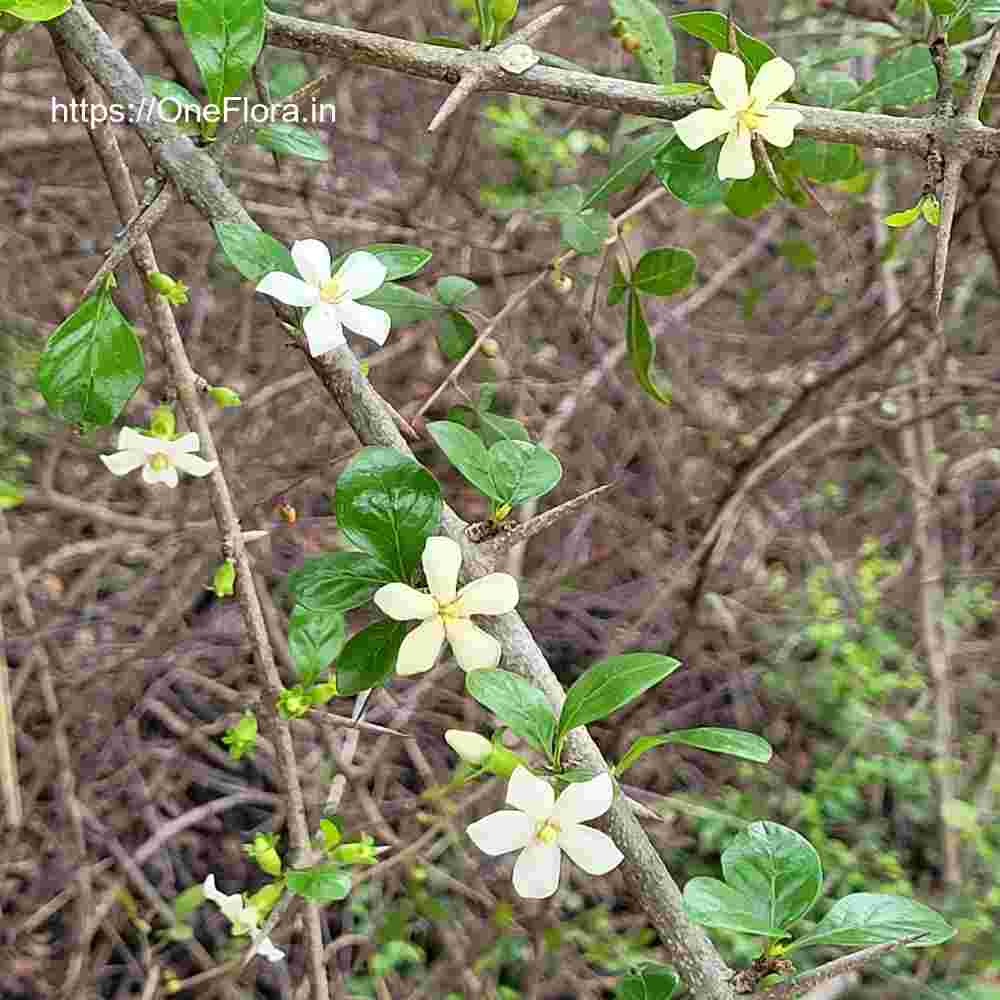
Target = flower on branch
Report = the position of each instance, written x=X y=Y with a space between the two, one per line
x=159 y=457
x=743 y=113
x=541 y=827
x=331 y=300
x=243 y=917
x=445 y=612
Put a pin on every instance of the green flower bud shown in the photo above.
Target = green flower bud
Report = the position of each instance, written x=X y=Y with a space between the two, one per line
x=163 y=424
x=479 y=752
x=224 y=396
x=224 y=579
x=294 y=702
x=930 y=209
x=175 y=292
x=330 y=833
x=242 y=738
x=264 y=900
x=360 y=853
x=264 y=852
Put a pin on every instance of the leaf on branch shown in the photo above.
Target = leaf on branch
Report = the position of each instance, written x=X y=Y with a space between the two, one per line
x=645 y=21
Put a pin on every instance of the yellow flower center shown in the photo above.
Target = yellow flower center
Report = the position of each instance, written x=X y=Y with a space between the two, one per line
x=450 y=612
x=750 y=117
x=330 y=291
x=159 y=462
x=548 y=833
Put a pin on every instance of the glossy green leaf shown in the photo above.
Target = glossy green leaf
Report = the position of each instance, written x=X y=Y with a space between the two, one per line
x=867 y=918
x=315 y=639
x=632 y=164
x=399 y=259
x=292 y=140
x=453 y=289
x=748 y=197
x=521 y=470
x=664 y=271
x=338 y=581
x=904 y=79
x=92 y=363
x=691 y=175
x=456 y=335
x=36 y=10
x=712 y=903
x=388 y=505
x=466 y=451
x=711 y=27
x=404 y=306
x=734 y=742
x=644 y=20
x=651 y=982
x=611 y=684
x=369 y=657
x=642 y=349
x=776 y=865
x=826 y=161
x=253 y=252
x=517 y=703
x=225 y=38
x=323 y=883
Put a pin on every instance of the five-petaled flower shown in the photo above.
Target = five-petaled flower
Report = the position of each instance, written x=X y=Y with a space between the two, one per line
x=541 y=826
x=331 y=300
x=159 y=457
x=244 y=919
x=743 y=113
x=445 y=612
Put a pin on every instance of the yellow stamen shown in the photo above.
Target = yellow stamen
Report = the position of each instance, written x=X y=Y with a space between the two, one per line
x=750 y=117
x=159 y=462
x=549 y=833
x=330 y=291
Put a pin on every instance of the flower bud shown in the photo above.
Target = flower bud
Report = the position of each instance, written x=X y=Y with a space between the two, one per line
x=490 y=347
x=631 y=44
x=561 y=282
x=471 y=747
x=293 y=703
x=264 y=852
x=163 y=424
x=224 y=396
x=175 y=292
x=242 y=738
x=360 y=853
x=224 y=579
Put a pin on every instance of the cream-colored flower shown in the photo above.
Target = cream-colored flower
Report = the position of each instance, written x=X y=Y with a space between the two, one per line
x=331 y=300
x=160 y=459
x=541 y=827
x=445 y=613
x=743 y=113
x=244 y=919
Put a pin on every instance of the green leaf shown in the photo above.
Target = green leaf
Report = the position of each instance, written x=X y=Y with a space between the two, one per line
x=691 y=175
x=642 y=349
x=186 y=902
x=315 y=639
x=404 y=306
x=325 y=883
x=664 y=271
x=799 y=254
x=826 y=161
x=651 y=982
x=521 y=470
x=36 y=10
x=730 y=741
x=712 y=27
x=517 y=703
x=456 y=335
x=930 y=209
x=748 y=197
x=399 y=259
x=644 y=20
x=899 y=220
x=338 y=581
x=388 y=505
x=619 y=286
x=588 y=231
x=487 y=26
x=11 y=495
x=712 y=903
x=92 y=363
x=867 y=918
x=830 y=88
x=779 y=867
x=684 y=89
x=453 y=289
x=630 y=166
x=177 y=104
x=369 y=657
x=610 y=685
x=225 y=38
x=988 y=9
x=496 y=428
x=291 y=140
x=253 y=252
x=466 y=451
x=904 y=79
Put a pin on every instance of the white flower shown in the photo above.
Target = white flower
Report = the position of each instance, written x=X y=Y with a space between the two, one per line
x=471 y=747
x=743 y=113
x=541 y=827
x=444 y=613
x=244 y=919
x=331 y=300
x=160 y=459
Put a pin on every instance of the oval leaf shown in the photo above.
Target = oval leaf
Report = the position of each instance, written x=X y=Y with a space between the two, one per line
x=338 y=581
x=404 y=306
x=291 y=140
x=253 y=252
x=515 y=702
x=466 y=451
x=734 y=742
x=642 y=349
x=665 y=271
x=521 y=470
x=652 y=982
x=315 y=639
x=630 y=166
x=644 y=20
x=611 y=684
x=369 y=657
x=691 y=175
x=712 y=903
x=453 y=289
x=456 y=335
x=323 y=884
x=712 y=27
x=399 y=259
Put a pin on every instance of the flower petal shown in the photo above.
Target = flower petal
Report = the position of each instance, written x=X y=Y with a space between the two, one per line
x=530 y=794
x=442 y=560
x=584 y=800
x=185 y=443
x=772 y=80
x=365 y=320
x=288 y=289
x=778 y=125
x=167 y=476
x=495 y=594
x=536 y=871
x=703 y=126
x=360 y=275
x=421 y=648
x=401 y=602
x=323 y=329
x=231 y=905
x=194 y=465
x=736 y=158
x=312 y=258
x=591 y=850
x=266 y=948
x=729 y=81
x=500 y=832
x=121 y=463
x=473 y=648
x=132 y=440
